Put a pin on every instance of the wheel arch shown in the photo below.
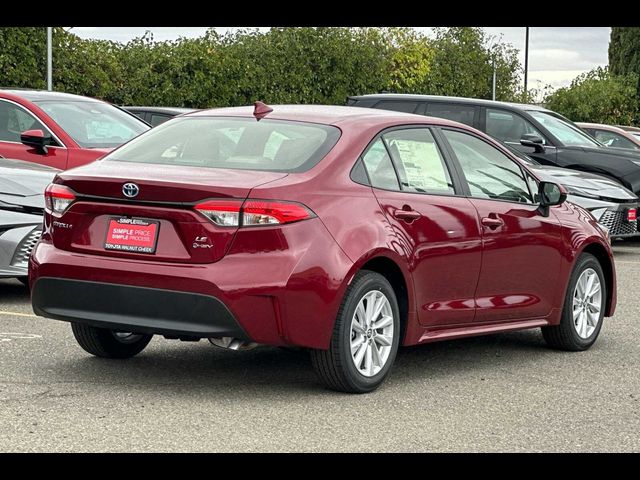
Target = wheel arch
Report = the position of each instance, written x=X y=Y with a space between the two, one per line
x=393 y=267
x=602 y=255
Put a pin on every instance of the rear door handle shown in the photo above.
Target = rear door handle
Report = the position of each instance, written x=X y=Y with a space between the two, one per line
x=406 y=214
x=492 y=223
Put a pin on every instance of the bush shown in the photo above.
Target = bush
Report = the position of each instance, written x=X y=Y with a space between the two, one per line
x=598 y=96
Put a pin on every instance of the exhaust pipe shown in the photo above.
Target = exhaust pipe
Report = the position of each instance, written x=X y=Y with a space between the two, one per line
x=231 y=343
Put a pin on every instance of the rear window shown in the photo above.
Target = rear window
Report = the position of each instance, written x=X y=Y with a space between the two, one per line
x=237 y=143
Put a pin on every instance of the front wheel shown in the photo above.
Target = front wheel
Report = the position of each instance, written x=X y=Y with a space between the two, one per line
x=365 y=337
x=105 y=343
x=583 y=310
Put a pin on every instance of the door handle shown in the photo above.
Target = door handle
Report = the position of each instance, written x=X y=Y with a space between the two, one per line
x=492 y=223
x=406 y=214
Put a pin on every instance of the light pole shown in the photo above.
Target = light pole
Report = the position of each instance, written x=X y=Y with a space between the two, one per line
x=526 y=59
x=49 y=59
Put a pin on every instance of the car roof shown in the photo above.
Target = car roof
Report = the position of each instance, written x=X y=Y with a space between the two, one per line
x=329 y=115
x=601 y=126
x=628 y=128
x=442 y=98
x=41 y=95
x=170 y=110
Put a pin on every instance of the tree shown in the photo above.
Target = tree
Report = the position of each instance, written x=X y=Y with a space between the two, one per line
x=597 y=96
x=23 y=57
x=624 y=50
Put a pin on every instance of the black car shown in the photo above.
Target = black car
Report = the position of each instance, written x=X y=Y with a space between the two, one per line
x=546 y=136
x=154 y=116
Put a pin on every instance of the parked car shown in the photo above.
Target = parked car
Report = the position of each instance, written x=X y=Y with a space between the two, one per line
x=612 y=205
x=635 y=131
x=611 y=136
x=154 y=116
x=61 y=130
x=342 y=230
x=22 y=186
x=546 y=136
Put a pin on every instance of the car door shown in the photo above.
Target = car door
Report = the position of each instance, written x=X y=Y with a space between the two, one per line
x=521 y=255
x=15 y=119
x=509 y=127
x=433 y=224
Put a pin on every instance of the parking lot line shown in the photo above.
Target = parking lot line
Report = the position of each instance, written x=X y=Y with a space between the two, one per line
x=17 y=314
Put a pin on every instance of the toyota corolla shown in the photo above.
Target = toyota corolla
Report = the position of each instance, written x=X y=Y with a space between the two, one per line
x=346 y=231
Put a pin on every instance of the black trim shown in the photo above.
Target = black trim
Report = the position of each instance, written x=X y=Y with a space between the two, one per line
x=134 y=309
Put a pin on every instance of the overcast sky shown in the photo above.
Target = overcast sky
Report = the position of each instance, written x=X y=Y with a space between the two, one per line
x=556 y=54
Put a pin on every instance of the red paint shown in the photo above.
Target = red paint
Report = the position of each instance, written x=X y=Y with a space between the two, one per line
x=284 y=283
x=63 y=158
x=632 y=214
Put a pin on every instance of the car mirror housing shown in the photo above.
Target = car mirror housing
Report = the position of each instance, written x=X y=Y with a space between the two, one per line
x=534 y=141
x=36 y=139
x=551 y=194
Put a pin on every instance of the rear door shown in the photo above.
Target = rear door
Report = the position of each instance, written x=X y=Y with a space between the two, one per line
x=521 y=255
x=433 y=224
x=15 y=119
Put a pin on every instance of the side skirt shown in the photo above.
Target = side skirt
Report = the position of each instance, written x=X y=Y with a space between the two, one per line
x=475 y=330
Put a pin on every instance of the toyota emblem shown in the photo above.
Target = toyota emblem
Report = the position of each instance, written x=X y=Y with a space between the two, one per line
x=130 y=190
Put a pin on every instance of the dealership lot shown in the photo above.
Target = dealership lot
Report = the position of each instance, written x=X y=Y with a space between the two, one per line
x=497 y=393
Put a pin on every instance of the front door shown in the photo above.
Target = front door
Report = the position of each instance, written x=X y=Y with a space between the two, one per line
x=15 y=119
x=437 y=229
x=521 y=255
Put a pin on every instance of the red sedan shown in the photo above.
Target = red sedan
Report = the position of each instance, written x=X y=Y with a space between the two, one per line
x=343 y=230
x=61 y=130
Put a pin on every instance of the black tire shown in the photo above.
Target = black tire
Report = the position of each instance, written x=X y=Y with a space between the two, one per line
x=564 y=335
x=103 y=343
x=334 y=366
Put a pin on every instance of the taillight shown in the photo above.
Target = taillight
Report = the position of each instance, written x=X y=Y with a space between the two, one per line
x=233 y=213
x=57 y=198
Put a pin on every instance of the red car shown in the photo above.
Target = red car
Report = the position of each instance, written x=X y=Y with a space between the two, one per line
x=347 y=231
x=61 y=130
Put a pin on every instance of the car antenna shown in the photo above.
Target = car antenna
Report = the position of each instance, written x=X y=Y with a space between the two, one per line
x=261 y=110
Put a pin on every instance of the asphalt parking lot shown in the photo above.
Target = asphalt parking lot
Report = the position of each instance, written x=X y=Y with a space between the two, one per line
x=497 y=393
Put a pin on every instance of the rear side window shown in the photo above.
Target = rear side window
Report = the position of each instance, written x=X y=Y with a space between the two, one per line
x=158 y=118
x=397 y=106
x=417 y=158
x=379 y=167
x=458 y=113
x=236 y=143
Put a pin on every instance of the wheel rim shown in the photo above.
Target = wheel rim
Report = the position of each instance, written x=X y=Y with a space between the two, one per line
x=372 y=333
x=126 y=337
x=587 y=303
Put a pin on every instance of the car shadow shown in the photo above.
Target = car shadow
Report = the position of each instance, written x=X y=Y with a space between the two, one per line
x=194 y=369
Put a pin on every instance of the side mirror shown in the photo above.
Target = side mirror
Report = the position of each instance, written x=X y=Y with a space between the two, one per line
x=36 y=139
x=534 y=141
x=551 y=194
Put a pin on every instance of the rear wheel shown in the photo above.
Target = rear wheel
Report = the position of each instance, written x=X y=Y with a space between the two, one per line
x=105 y=343
x=365 y=337
x=584 y=307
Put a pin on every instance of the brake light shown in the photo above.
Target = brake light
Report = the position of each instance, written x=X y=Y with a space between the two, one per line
x=232 y=213
x=57 y=198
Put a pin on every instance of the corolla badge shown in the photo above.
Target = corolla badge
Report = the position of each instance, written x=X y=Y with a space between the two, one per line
x=130 y=190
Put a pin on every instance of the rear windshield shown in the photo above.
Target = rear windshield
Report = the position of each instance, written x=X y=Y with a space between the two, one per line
x=237 y=143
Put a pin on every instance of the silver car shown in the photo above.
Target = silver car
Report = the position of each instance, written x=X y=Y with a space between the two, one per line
x=22 y=186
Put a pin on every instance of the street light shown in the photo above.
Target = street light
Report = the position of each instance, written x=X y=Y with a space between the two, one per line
x=49 y=59
x=526 y=59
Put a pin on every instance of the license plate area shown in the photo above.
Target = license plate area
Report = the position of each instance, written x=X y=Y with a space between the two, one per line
x=130 y=234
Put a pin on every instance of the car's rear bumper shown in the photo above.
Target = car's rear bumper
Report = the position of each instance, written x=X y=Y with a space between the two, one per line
x=288 y=295
x=135 y=309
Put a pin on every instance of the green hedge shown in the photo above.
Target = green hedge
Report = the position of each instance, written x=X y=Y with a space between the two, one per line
x=282 y=65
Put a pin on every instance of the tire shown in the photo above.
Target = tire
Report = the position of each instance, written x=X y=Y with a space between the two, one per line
x=336 y=367
x=105 y=343
x=565 y=336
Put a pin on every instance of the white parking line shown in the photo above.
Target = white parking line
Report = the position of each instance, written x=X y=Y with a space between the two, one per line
x=17 y=314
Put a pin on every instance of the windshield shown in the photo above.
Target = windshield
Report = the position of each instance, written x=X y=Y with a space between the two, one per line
x=94 y=124
x=228 y=142
x=568 y=134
